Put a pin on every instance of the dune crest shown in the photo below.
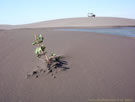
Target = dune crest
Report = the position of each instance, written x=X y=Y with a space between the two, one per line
x=77 y=22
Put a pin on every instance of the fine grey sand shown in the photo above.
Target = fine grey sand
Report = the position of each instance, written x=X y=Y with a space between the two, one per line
x=77 y=22
x=101 y=66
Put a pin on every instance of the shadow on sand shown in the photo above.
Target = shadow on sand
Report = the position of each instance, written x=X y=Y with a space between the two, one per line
x=56 y=65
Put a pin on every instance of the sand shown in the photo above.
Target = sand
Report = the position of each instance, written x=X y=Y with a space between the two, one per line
x=101 y=66
x=76 y=22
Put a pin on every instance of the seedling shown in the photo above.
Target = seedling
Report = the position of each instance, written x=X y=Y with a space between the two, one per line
x=52 y=62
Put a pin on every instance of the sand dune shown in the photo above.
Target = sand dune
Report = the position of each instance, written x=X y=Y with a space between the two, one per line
x=78 y=22
x=84 y=22
x=101 y=66
x=6 y=27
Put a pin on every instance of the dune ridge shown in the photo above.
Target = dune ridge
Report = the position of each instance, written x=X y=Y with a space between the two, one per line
x=77 y=22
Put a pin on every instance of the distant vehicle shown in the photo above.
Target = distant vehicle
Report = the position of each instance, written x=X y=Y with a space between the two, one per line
x=91 y=15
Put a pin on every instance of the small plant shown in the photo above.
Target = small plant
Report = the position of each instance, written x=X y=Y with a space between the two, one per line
x=40 y=50
x=52 y=62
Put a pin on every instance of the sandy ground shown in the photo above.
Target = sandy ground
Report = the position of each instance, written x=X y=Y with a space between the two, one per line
x=101 y=66
x=76 y=22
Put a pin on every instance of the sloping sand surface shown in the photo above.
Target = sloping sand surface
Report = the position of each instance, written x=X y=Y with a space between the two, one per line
x=101 y=66
x=3 y=27
x=84 y=22
x=77 y=22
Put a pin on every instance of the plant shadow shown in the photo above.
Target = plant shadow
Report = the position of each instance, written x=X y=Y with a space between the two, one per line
x=55 y=66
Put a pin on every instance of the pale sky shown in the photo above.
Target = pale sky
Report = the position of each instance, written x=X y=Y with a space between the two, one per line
x=30 y=11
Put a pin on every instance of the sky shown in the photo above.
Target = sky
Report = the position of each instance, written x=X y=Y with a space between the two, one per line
x=29 y=11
